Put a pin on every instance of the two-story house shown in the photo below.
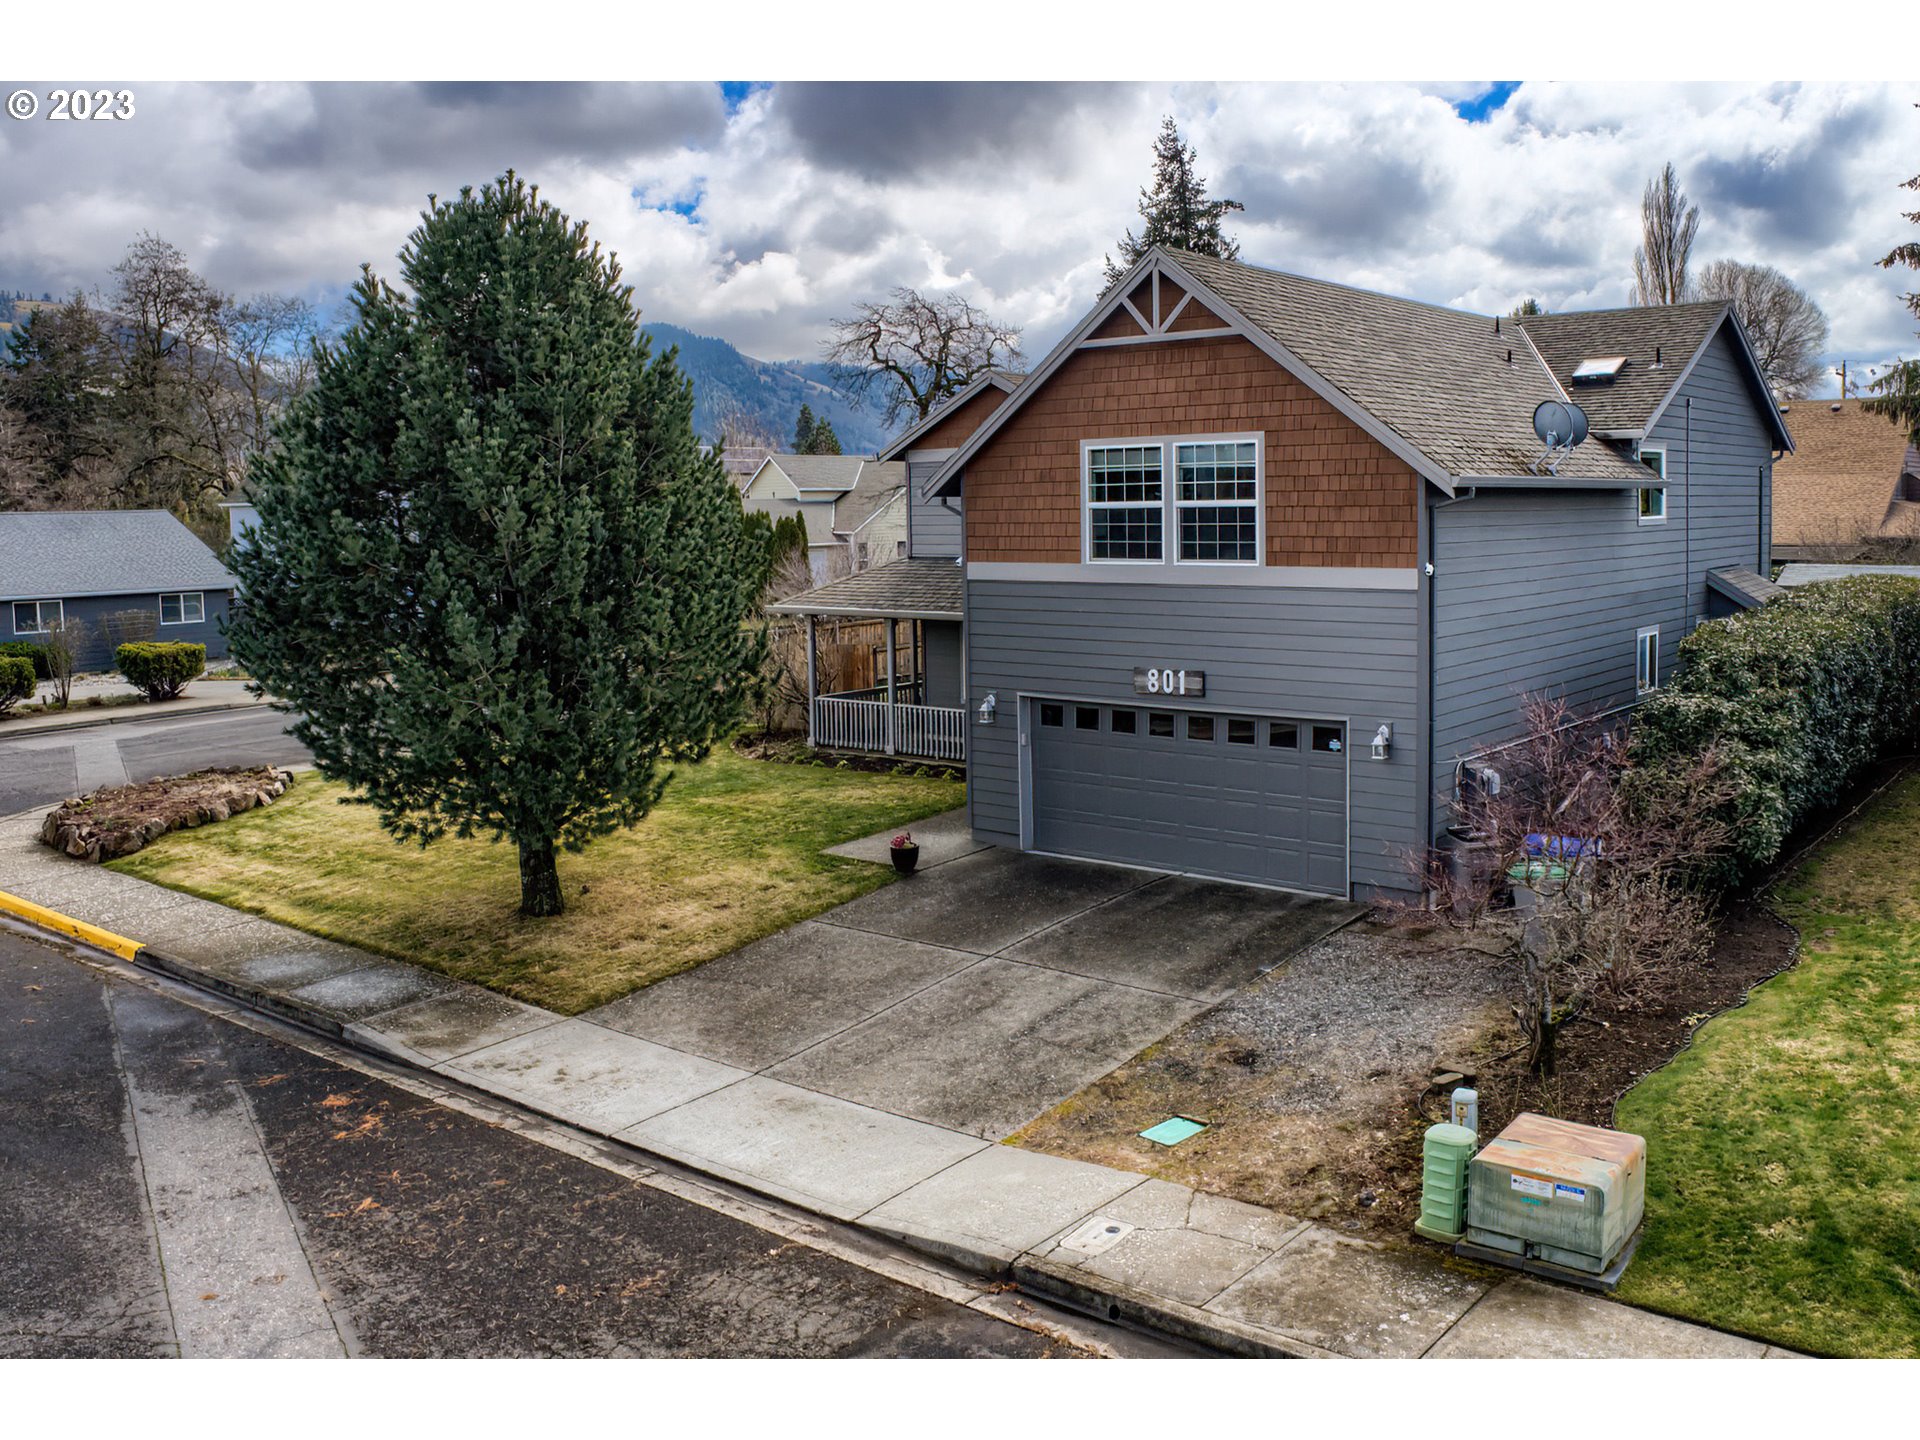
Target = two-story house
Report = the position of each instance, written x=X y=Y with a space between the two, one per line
x=1254 y=562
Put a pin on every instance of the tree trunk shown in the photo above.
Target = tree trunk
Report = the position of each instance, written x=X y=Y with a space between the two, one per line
x=539 y=879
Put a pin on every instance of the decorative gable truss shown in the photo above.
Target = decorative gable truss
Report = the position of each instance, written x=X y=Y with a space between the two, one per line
x=1158 y=308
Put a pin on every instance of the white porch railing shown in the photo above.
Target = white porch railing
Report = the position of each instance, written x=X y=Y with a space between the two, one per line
x=928 y=732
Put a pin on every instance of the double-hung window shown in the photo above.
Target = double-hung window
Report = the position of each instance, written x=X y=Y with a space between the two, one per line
x=1653 y=498
x=1125 y=505
x=1218 y=496
x=187 y=609
x=1203 y=492
x=37 y=617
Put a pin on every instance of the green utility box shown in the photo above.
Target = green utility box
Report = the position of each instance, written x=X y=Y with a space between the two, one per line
x=1550 y=1190
x=1445 y=1154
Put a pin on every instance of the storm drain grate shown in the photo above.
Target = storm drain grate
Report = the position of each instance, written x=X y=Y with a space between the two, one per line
x=1173 y=1130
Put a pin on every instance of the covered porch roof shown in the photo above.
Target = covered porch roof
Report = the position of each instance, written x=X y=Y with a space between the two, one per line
x=1743 y=587
x=925 y=588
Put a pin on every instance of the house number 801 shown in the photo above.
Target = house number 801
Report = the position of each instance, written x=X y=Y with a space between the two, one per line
x=1159 y=681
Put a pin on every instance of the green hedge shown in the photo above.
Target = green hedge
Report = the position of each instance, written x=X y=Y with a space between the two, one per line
x=1801 y=697
x=35 y=655
x=16 y=681
x=162 y=668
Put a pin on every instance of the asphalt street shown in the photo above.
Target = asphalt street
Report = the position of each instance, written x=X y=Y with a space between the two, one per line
x=46 y=768
x=173 y=1182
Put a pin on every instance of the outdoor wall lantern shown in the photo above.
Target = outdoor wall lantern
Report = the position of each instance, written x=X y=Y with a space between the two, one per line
x=1382 y=742
x=987 y=707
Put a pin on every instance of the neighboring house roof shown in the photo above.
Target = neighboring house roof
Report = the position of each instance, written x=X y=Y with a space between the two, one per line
x=69 y=554
x=918 y=589
x=1746 y=588
x=742 y=462
x=1844 y=481
x=1005 y=380
x=879 y=482
x=819 y=472
x=1792 y=576
x=1450 y=392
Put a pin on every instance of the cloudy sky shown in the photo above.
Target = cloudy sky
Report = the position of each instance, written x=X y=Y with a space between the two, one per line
x=756 y=212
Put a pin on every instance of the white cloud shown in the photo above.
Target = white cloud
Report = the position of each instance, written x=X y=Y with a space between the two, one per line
x=810 y=199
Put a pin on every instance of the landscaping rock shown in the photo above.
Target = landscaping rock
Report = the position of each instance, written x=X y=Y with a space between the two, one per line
x=118 y=820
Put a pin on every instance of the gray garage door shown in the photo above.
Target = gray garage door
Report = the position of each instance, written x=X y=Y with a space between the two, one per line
x=1260 y=799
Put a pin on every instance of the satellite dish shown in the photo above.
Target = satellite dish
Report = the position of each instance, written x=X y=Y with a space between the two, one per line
x=1561 y=425
x=1553 y=423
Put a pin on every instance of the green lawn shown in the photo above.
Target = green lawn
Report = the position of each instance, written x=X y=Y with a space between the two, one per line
x=731 y=854
x=1783 y=1197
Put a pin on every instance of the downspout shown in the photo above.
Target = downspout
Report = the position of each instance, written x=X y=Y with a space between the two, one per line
x=1686 y=529
x=1431 y=580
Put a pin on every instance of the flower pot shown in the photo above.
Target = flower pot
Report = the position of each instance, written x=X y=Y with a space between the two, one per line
x=905 y=857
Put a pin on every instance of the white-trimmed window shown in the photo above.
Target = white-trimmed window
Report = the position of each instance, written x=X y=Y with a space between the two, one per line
x=1217 y=496
x=37 y=617
x=1212 y=508
x=189 y=608
x=1126 y=506
x=1646 y=650
x=1653 y=498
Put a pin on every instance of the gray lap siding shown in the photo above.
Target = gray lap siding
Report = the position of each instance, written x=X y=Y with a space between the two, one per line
x=1308 y=653
x=1545 y=591
x=933 y=525
x=93 y=610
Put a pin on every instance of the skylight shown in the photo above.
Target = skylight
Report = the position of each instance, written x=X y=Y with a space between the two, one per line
x=1597 y=369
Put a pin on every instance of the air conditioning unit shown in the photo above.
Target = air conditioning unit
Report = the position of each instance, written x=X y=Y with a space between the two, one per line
x=1553 y=1195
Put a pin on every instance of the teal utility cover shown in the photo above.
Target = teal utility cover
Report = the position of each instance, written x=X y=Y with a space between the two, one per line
x=1173 y=1130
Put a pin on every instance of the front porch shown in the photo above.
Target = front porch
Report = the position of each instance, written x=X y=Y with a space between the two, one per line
x=914 y=709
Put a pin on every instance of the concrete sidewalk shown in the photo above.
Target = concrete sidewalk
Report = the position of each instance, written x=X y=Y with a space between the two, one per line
x=202 y=697
x=1230 y=1275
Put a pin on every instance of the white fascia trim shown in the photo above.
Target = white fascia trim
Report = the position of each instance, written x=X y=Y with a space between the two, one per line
x=1279 y=577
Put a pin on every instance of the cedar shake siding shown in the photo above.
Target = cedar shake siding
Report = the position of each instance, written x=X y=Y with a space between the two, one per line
x=1334 y=495
x=954 y=431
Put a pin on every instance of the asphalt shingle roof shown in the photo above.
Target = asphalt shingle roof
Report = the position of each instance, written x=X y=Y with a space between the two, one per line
x=1625 y=403
x=879 y=482
x=820 y=472
x=1440 y=379
x=59 y=554
x=923 y=588
x=1842 y=485
x=1744 y=587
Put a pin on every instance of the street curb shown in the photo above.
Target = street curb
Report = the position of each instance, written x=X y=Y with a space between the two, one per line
x=66 y=925
x=21 y=732
x=1112 y=1301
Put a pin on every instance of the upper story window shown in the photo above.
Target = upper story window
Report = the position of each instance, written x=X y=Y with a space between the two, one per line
x=1218 y=493
x=187 y=609
x=37 y=617
x=1125 y=506
x=1653 y=498
x=1211 y=508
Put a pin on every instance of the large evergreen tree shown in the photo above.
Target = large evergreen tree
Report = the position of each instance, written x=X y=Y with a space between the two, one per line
x=1897 y=393
x=823 y=441
x=803 y=431
x=1177 y=211
x=494 y=573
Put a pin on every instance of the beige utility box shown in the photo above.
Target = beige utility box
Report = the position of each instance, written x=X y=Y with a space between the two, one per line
x=1550 y=1190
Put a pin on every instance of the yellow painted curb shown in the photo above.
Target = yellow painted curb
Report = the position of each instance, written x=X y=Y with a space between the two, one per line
x=66 y=925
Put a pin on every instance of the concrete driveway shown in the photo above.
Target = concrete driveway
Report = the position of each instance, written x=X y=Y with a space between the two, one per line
x=980 y=992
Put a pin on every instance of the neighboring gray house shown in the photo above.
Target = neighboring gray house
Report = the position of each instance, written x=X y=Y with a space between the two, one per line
x=112 y=569
x=1255 y=565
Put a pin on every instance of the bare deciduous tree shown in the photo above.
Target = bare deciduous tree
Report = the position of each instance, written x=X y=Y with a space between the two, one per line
x=1601 y=864
x=915 y=351
x=1788 y=331
x=65 y=642
x=1667 y=226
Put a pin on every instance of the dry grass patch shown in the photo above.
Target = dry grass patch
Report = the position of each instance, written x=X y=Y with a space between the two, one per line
x=731 y=854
